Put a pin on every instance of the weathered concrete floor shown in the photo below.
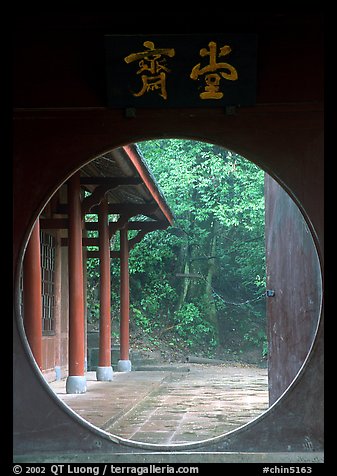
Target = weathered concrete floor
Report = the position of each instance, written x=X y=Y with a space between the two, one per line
x=166 y=407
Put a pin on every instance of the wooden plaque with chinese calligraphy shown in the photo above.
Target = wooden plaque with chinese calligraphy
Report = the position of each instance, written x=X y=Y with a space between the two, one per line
x=181 y=70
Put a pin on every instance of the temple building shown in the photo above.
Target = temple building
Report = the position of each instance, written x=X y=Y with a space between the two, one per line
x=120 y=189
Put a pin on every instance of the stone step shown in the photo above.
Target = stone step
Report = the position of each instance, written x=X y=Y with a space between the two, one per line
x=159 y=368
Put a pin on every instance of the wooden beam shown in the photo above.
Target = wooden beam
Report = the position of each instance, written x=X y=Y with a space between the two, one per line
x=131 y=209
x=96 y=254
x=62 y=224
x=118 y=225
x=96 y=197
x=132 y=225
x=85 y=241
x=113 y=181
x=54 y=223
x=143 y=227
x=90 y=241
x=146 y=228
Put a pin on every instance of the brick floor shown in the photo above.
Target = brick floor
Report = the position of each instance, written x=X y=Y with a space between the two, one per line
x=191 y=403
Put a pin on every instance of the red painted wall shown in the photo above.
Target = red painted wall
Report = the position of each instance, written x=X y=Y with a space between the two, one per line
x=61 y=122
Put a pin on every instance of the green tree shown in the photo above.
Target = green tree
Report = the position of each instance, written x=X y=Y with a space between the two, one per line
x=218 y=200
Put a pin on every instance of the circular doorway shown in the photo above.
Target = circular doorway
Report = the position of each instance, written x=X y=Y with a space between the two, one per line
x=314 y=324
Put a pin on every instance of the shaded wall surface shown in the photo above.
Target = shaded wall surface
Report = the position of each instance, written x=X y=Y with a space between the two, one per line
x=61 y=122
x=55 y=346
x=294 y=276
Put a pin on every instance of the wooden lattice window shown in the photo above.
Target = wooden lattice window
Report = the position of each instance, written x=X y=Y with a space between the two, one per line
x=48 y=282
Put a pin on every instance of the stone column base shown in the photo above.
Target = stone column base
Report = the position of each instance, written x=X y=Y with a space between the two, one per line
x=104 y=373
x=76 y=384
x=124 y=366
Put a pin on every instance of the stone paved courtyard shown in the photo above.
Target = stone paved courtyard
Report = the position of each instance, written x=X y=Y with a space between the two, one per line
x=189 y=403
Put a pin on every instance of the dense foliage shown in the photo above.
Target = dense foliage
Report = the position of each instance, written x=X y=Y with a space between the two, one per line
x=200 y=284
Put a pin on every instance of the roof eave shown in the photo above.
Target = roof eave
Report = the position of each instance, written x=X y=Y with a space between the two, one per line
x=138 y=162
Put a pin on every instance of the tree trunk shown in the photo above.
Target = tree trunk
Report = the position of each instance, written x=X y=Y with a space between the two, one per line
x=212 y=314
x=186 y=281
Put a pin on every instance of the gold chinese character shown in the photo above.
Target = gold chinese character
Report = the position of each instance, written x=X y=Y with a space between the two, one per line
x=153 y=66
x=212 y=76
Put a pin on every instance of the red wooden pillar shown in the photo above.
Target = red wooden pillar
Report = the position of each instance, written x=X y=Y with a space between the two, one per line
x=76 y=381
x=57 y=304
x=32 y=297
x=104 y=369
x=124 y=364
